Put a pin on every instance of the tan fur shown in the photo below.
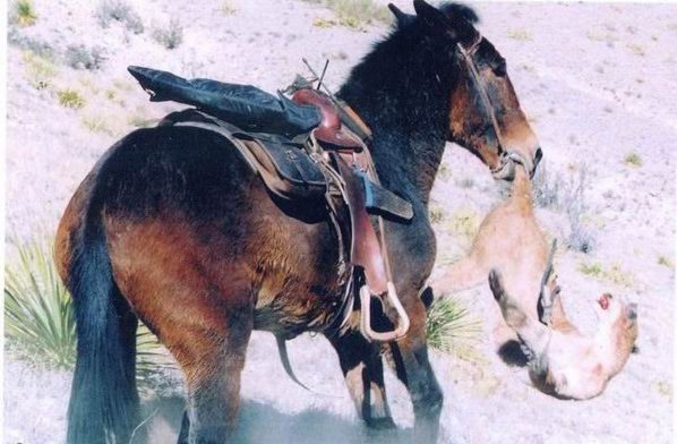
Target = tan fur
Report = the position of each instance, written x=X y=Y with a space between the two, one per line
x=564 y=362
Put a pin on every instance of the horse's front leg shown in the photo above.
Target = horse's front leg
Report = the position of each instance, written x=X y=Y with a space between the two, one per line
x=410 y=357
x=362 y=368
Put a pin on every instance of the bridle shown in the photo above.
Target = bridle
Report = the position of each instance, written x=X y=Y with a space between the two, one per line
x=505 y=167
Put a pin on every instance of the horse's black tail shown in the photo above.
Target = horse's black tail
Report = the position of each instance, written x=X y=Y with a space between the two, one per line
x=104 y=403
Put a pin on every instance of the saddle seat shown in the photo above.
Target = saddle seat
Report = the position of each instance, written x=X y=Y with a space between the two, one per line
x=330 y=130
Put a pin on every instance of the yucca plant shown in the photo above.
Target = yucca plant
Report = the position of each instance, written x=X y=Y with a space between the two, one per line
x=40 y=316
x=452 y=329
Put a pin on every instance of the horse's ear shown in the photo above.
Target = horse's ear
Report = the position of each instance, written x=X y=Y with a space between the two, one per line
x=434 y=18
x=402 y=17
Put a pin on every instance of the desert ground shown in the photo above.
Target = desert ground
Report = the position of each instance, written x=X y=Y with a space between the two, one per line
x=597 y=82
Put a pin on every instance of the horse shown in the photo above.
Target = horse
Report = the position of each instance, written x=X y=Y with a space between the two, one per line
x=171 y=227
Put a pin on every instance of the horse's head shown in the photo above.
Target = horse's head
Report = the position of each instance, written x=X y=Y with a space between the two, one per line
x=485 y=115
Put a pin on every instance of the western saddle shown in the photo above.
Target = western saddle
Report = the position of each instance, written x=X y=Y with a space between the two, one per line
x=316 y=151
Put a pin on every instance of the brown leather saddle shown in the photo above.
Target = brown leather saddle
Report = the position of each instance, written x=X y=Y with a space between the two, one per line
x=331 y=163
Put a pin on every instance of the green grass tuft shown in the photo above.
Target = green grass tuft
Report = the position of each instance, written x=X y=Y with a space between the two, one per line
x=24 y=14
x=40 y=316
x=70 y=98
x=451 y=329
x=633 y=159
x=356 y=14
x=665 y=261
x=613 y=273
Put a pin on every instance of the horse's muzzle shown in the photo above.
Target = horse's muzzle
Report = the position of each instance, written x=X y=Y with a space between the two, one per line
x=508 y=159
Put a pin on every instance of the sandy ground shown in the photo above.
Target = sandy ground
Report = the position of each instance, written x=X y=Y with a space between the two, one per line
x=597 y=82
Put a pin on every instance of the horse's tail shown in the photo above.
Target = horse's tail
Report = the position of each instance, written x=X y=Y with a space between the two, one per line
x=104 y=403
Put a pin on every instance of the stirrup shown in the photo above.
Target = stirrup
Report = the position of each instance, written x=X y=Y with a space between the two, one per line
x=365 y=318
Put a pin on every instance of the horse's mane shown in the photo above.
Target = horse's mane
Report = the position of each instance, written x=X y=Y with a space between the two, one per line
x=402 y=89
x=405 y=59
x=464 y=11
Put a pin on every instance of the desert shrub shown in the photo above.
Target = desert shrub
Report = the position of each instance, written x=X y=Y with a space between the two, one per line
x=23 y=13
x=665 y=261
x=119 y=11
x=463 y=223
x=357 y=13
x=33 y=44
x=40 y=316
x=581 y=238
x=82 y=57
x=97 y=124
x=227 y=7
x=70 y=98
x=171 y=36
x=436 y=213
x=633 y=159
x=547 y=187
x=568 y=195
x=39 y=70
x=452 y=329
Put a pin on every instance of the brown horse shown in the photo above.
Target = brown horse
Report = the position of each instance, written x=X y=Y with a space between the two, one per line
x=173 y=228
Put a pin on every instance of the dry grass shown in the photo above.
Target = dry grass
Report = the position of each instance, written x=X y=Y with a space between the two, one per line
x=665 y=261
x=120 y=11
x=355 y=14
x=169 y=36
x=227 y=8
x=70 y=98
x=635 y=49
x=521 y=35
x=436 y=213
x=633 y=159
x=39 y=70
x=464 y=223
x=97 y=124
x=612 y=273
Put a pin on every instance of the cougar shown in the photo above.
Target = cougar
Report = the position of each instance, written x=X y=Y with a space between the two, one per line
x=511 y=248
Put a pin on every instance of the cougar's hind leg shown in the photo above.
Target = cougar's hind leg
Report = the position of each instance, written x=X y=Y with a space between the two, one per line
x=531 y=332
x=362 y=368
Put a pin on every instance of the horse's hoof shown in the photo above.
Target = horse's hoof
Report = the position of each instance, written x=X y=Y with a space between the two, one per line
x=385 y=423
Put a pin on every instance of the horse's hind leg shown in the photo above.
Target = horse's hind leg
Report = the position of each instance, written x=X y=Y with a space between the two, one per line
x=362 y=368
x=212 y=362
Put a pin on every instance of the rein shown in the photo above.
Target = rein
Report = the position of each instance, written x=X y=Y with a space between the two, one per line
x=501 y=171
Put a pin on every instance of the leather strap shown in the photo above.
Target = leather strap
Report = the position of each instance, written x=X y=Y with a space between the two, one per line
x=365 y=249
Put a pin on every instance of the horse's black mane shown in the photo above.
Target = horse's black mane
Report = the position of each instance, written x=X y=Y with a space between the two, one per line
x=464 y=11
x=402 y=89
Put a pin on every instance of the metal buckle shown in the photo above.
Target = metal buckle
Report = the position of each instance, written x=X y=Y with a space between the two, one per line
x=403 y=322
